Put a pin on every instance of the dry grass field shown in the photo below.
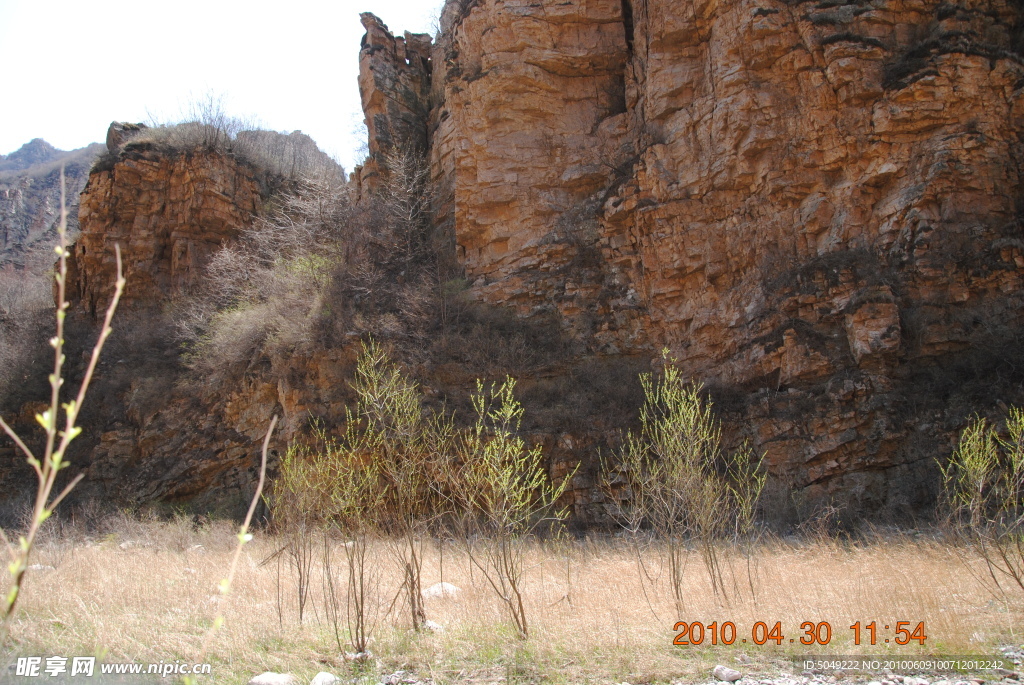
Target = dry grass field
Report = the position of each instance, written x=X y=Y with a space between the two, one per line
x=148 y=592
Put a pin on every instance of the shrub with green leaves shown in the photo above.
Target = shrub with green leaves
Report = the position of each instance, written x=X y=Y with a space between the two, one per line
x=506 y=493
x=682 y=486
x=400 y=471
x=983 y=484
x=408 y=447
x=383 y=477
x=333 y=490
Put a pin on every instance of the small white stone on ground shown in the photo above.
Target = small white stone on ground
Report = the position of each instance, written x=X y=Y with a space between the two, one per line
x=441 y=590
x=726 y=674
x=358 y=657
x=271 y=678
x=324 y=678
x=433 y=626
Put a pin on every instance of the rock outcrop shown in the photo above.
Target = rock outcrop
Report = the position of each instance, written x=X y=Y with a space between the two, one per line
x=154 y=432
x=394 y=85
x=814 y=205
x=168 y=213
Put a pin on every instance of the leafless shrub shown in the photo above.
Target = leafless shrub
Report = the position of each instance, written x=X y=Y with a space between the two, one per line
x=405 y=202
x=318 y=268
x=293 y=156
x=387 y=285
x=266 y=291
x=205 y=125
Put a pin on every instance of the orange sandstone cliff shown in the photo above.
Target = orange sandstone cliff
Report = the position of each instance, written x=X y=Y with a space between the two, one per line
x=814 y=205
x=168 y=212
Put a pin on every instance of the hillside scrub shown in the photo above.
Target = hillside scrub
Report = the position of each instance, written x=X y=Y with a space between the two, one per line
x=205 y=126
x=266 y=291
x=317 y=268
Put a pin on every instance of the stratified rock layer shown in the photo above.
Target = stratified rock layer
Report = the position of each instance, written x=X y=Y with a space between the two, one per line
x=813 y=205
x=167 y=211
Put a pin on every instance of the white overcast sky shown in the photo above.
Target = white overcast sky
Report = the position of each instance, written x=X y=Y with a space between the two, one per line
x=70 y=67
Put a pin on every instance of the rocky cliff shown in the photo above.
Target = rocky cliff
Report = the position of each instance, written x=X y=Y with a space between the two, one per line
x=168 y=212
x=814 y=205
x=155 y=432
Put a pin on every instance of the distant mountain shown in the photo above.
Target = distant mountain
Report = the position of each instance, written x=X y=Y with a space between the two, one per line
x=36 y=151
x=30 y=196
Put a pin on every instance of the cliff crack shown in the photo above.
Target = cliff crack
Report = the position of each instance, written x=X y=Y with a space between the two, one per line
x=627 y=23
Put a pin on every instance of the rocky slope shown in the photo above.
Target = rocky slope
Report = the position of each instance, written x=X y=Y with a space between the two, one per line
x=156 y=431
x=30 y=196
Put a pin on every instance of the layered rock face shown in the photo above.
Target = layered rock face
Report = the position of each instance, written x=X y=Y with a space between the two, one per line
x=394 y=87
x=814 y=205
x=155 y=433
x=394 y=84
x=168 y=212
x=530 y=130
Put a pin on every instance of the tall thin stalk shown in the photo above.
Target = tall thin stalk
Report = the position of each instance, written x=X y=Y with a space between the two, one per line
x=52 y=461
x=506 y=492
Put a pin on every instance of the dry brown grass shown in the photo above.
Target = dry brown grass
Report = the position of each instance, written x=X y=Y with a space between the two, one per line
x=147 y=592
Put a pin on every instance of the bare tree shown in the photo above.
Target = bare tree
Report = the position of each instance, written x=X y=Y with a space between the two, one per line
x=405 y=202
